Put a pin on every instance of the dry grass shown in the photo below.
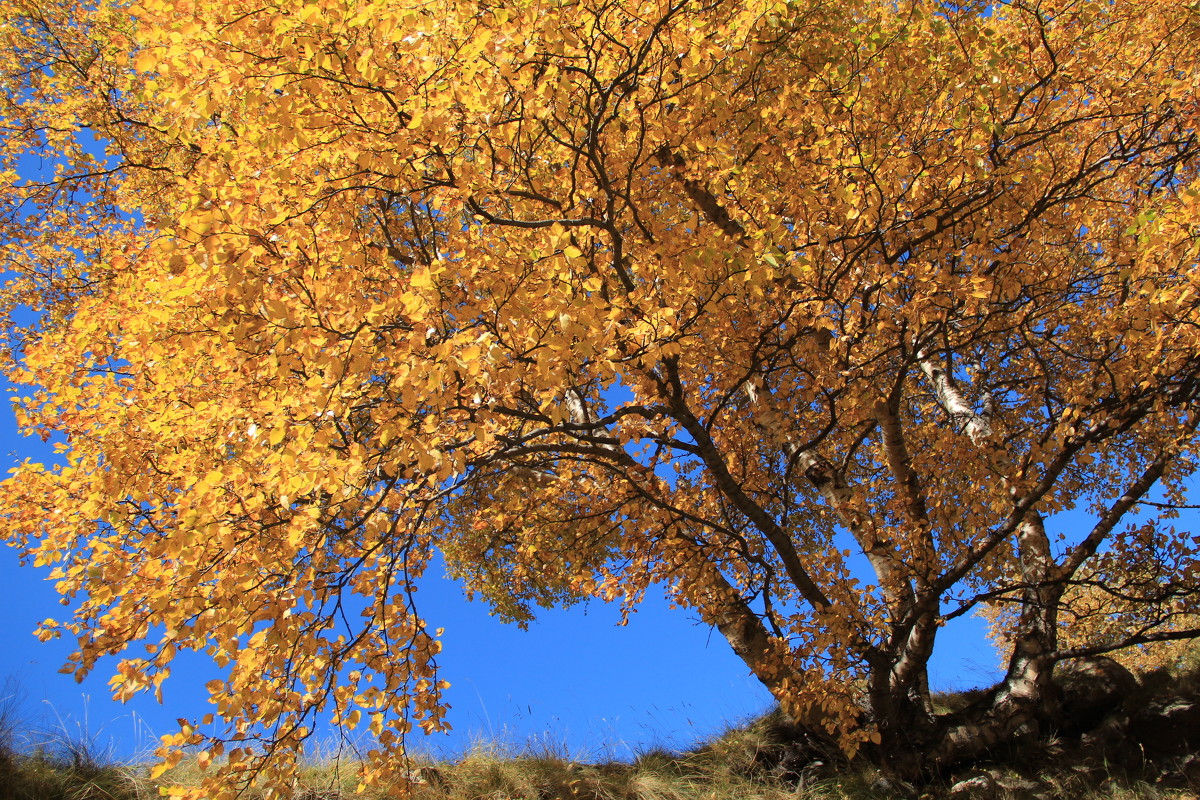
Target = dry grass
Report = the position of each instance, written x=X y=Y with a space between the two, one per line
x=743 y=763
x=721 y=770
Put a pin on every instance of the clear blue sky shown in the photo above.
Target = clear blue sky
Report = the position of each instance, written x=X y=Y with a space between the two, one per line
x=575 y=680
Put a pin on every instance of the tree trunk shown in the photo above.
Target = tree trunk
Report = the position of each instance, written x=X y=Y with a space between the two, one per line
x=1025 y=701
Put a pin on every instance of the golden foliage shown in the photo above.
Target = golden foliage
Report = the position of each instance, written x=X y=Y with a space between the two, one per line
x=746 y=299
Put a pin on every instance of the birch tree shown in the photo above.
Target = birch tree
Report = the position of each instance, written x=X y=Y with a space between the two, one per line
x=817 y=318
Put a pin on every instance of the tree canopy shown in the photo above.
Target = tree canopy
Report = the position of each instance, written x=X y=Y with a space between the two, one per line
x=818 y=317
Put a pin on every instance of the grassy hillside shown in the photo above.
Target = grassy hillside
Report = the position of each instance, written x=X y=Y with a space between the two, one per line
x=764 y=760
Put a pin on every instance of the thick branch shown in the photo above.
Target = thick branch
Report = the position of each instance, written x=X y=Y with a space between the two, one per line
x=728 y=486
x=831 y=483
x=742 y=628
x=699 y=194
x=900 y=462
x=1151 y=475
x=976 y=425
x=1083 y=651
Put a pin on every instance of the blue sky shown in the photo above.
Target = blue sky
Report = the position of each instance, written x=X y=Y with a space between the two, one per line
x=576 y=681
